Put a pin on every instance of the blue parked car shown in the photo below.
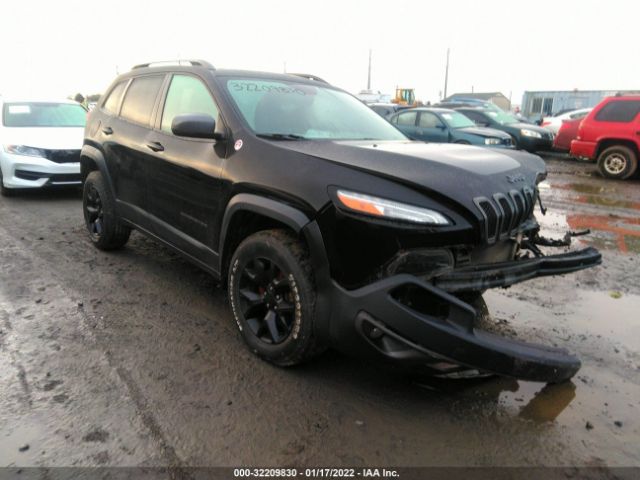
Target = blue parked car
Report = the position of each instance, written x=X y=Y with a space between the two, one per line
x=441 y=125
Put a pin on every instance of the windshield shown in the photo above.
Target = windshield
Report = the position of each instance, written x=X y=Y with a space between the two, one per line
x=502 y=117
x=457 y=120
x=289 y=110
x=44 y=115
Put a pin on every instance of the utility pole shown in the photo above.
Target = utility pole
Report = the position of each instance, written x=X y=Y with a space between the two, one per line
x=284 y=67
x=369 y=72
x=446 y=76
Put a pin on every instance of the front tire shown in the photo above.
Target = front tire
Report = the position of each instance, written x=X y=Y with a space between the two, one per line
x=618 y=162
x=99 y=207
x=272 y=294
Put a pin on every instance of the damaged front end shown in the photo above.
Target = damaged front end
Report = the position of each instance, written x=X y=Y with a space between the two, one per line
x=418 y=306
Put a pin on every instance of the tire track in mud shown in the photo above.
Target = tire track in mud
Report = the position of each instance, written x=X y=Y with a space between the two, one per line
x=42 y=264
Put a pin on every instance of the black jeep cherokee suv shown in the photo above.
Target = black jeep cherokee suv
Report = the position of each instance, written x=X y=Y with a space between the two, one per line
x=331 y=228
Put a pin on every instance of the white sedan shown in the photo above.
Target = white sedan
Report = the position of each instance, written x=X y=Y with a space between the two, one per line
x=40 y=144
x=554 y=123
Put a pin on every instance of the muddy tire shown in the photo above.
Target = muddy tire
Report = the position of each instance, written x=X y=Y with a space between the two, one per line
x=272 y=294
x=99 y=208
x=617 y=162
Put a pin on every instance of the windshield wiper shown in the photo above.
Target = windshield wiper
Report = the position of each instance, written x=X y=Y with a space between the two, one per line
x=281 y=136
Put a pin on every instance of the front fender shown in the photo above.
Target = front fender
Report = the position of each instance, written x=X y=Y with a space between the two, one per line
x=300 y=224
x=267 y=207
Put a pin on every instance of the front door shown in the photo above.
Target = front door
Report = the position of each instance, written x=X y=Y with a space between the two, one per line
x=184 y=175
x=431 y=128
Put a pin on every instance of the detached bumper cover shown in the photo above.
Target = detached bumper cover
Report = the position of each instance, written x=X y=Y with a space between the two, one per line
x=481 y=277
x=438 y=326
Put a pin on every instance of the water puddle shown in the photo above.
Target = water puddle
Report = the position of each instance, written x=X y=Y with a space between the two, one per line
x=609 y=231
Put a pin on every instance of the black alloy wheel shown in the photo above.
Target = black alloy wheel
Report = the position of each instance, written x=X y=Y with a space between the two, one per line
x=94 y=213
x=106 y=231
x=266 y=300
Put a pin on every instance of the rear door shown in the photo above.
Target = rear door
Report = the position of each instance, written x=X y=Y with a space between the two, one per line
x=431 y=128
x=184 y=173
x=406 y=122
x=125 y=140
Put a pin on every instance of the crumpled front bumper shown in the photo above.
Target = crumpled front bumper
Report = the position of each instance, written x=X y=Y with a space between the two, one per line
x=481 y=277
x=409 y=320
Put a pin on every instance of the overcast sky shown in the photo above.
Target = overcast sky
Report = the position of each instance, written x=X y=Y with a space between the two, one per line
x=64 y=46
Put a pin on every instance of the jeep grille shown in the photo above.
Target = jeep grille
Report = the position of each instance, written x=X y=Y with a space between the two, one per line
x=503 y=213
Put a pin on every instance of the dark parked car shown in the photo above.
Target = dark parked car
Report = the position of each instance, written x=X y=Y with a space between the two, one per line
x=441 y=125
x=329 y=227
x=385 y=110
x=526 y=136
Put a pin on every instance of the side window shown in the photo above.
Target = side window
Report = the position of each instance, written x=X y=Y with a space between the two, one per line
x=475 y=117
x=140 y=98
x=619 y=111
x=429 y=120
x=113 y=100
x=186 y=94
x=407 y=119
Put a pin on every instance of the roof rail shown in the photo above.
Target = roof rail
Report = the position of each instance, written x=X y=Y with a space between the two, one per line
x=309 y=76
x=193 y=63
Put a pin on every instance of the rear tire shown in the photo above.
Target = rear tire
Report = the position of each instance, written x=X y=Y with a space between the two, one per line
x=99 y=207
x=272 y=294
x=618 y=162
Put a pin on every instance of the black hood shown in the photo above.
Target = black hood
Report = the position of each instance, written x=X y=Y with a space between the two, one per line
x=460 y=173
x=431 y=165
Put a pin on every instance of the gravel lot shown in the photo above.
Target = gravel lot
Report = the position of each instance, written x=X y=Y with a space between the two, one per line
x=133 y=358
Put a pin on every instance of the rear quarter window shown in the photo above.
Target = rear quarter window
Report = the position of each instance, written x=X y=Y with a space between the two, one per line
x=140 y=98
x=113 y=100
x=619 y=111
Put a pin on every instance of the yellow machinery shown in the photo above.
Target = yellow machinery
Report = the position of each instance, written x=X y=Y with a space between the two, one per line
x=405 y=96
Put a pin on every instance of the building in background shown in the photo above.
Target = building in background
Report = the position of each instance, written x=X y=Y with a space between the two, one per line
x=546 y=103
x=496 y=98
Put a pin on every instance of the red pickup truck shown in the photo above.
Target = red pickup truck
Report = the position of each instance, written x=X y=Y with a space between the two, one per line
x=610 y=134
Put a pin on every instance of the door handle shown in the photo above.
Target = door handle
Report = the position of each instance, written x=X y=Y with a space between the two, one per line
x=155 y=146
x=107 y=130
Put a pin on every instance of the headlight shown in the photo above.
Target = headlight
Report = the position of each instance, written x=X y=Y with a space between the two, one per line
x=492 y=141
x=24 y=150
x=380 y=207
x=530 y=133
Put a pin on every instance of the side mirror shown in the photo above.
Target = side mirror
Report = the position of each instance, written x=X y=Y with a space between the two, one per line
x=441 y=126
x=195 y=125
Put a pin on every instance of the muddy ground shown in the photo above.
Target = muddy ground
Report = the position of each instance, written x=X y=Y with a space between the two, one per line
x=132 y=358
